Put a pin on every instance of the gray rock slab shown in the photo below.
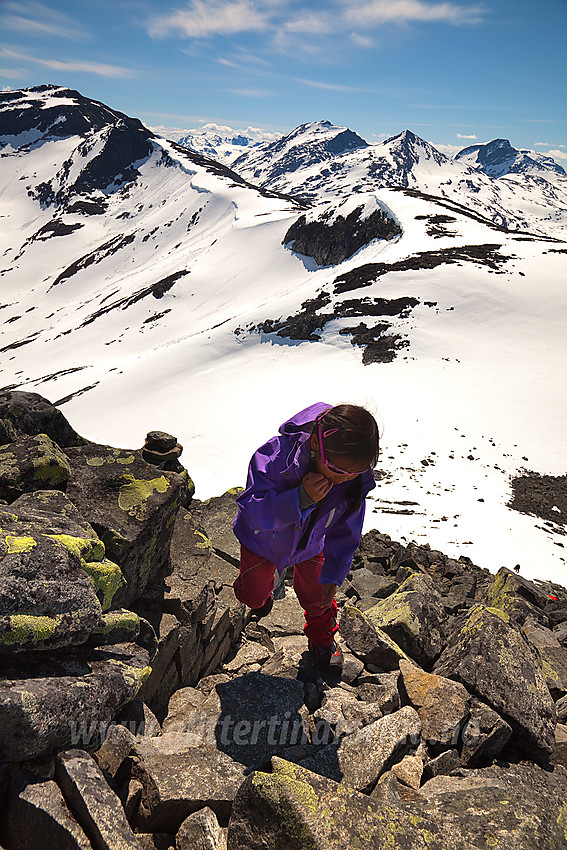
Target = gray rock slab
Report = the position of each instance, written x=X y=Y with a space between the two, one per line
x=181 y=773
x=38 y=815
x=95 y=805
x=132 y=505
x=32 y=463
x=367 y=641
x=492 y=659
x=443 y=705
x=201 y=831
x=413 y=617
x=31 y=413
x=47 y=597
x=215 y=517
x=52 y=702
x=484 y=735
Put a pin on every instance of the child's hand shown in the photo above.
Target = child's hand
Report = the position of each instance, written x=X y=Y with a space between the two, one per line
x=328 y=594
x=316 y=485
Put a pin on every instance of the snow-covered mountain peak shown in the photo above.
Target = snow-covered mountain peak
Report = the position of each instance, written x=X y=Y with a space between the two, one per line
x=498 y=158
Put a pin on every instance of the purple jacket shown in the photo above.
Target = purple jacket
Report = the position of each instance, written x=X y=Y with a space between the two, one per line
x=270 y=521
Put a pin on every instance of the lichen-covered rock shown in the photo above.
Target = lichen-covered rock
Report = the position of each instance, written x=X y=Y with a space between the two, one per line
x=514 y=807
x=552 y=656
x=32 y=463
x=132 y=506
x=118 y=626
x=295 y=809
x=29 y=413
x=372 y=645
x=484 y=736
x=215 y=517
x=413 y=617
x=492 y=659
x=515 y=595
x=52 y=566
x=94 y=803
x=51 y=701
x=443 y=705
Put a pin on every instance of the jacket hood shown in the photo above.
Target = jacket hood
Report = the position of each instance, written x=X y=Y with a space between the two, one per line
x=302 y=422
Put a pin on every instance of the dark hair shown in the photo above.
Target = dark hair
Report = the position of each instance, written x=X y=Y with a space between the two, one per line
x=356 y=434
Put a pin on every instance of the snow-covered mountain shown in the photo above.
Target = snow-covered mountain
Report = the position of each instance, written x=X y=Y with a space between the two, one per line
x=498 y=158
x=144 y=286
x=223 y=143
x=534 y=200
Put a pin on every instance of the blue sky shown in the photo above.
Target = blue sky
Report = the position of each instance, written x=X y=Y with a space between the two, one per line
x=455 y=73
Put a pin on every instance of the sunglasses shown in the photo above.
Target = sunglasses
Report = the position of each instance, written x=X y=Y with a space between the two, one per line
x=331 y=466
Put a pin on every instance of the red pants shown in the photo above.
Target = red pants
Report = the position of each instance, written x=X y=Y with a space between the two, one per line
x=255 y=583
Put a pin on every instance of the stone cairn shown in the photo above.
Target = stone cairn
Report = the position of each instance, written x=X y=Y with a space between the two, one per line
x=142 y=707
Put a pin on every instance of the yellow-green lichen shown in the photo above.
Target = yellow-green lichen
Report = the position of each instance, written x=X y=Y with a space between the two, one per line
x=16 y=544
x=123 y=619
x=29 y=628
x=106 y=578
x=133 y=676
x=134 y=494
x=491 y=840
x=204 y=542
x=99 y=461
x=85 y=548
x=562 y=819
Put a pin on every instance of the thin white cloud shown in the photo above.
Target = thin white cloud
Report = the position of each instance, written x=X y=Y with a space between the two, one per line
x=100 y=69
x=200 y=19
x=362 y=40
x=313 y=23
x=37 y=19
x=461 y=136
x=328 y=86
x=375 y=12
x=251 y=92
x=556 y=153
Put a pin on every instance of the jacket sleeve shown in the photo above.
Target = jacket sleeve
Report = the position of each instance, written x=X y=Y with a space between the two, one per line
x=265 y=502
x=341 y=542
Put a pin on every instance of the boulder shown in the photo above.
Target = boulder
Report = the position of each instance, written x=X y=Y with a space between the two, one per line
x=53 y=566
x=509 y=807
x=39 y=809
x=188 y=589
x=484 y=736
x=367 y=640
x=32 y=463
x=413 y=617
x=181 y=773
x=492 y=659
x=359 y=758
x=516 y=596
x=367 y=583
x=215 y=517
x=443 y=705
x=380 y=688
x=51 y=701
x=29 y=413
x=201 y=831
x=294 y=809
x=552 y=656
x=131 y=505
x=441 y=765
x=95 y=805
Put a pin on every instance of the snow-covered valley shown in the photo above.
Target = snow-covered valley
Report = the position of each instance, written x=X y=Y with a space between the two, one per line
x=136 y=294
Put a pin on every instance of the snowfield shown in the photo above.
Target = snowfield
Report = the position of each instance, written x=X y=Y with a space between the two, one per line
x=143 y=318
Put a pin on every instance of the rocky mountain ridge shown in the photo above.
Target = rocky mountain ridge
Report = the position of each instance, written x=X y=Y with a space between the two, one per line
x=502 y=184
x=174 y=719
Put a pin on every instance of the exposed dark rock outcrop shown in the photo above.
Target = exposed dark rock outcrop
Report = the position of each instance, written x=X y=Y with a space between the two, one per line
x=331 y=239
